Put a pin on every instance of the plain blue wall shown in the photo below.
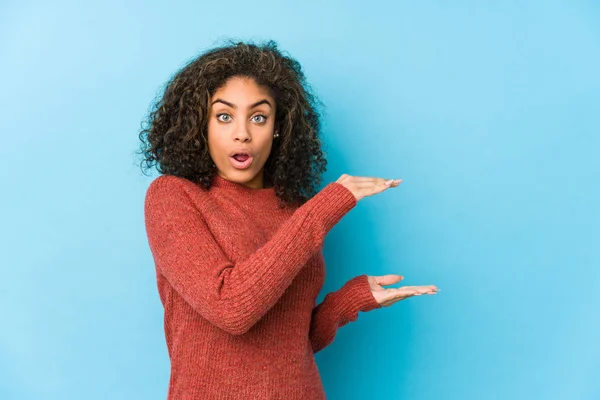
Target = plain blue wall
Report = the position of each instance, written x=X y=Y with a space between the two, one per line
x=489 y=112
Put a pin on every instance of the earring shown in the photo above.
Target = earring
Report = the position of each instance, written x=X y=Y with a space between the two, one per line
x=276 y=135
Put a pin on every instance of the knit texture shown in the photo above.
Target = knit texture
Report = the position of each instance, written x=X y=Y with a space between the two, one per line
x=238 y=278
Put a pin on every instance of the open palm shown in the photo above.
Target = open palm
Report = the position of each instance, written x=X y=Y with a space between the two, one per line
x=388 y=296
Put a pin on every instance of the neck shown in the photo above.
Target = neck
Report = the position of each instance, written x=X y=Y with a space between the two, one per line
x=256 y=183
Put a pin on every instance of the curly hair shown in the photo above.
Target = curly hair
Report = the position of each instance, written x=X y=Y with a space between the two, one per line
x=174 y=135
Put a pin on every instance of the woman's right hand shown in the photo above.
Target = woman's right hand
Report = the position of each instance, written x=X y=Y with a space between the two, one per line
x=366 y=186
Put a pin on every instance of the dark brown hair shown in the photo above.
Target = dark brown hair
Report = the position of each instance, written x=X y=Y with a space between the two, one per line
x=174 y=135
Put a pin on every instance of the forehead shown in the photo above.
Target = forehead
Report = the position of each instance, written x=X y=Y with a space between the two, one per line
x=242 y=90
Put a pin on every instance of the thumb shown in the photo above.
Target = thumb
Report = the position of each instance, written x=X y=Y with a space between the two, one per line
x=389 y=279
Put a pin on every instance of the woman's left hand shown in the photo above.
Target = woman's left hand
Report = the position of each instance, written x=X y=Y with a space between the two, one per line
x=388 y=296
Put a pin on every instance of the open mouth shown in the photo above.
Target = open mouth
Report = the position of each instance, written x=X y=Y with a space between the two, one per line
x=241 y=157
x=241 y=161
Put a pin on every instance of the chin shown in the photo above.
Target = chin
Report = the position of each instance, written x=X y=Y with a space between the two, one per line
x=245 y=176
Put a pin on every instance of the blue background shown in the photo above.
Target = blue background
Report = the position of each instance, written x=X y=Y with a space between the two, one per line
x=489 y=112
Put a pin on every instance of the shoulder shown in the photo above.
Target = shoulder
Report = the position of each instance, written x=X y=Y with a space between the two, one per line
x=168 y=188
x=168 y=182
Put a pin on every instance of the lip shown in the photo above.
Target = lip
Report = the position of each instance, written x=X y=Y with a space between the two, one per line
x=241 y=151
x=241 y=165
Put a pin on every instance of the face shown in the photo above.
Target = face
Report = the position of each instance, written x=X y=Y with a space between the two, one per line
x=241 y=120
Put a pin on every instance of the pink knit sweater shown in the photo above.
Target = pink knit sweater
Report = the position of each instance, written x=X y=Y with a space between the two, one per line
x=238 y=278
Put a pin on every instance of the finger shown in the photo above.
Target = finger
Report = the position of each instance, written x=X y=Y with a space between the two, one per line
x=372 y=188
x=426 y=289
x=406 y=292
x=400 y=294
x=376 y=181
x=369 y=179
x=376 y=187
x=412 y=290
x=423 y=290
x=389 y=279
x=372 y=185
x=393 y=182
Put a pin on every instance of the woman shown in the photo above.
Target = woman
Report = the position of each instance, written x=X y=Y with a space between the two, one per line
x=236 y=229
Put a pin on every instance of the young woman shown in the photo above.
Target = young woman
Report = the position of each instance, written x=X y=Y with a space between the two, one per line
x=236 y=229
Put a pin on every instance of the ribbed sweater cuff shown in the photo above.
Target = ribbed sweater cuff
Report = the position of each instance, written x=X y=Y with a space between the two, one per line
x=355 y=296
x=335 y=200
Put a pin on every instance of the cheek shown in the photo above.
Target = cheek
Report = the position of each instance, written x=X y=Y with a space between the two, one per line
x=266 y=149
x=212 y=130
x=215 y=148
x=214 y=135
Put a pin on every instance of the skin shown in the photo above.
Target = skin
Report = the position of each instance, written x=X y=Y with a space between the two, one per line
x=239 y=124
x=242 y=124
x=388 y=296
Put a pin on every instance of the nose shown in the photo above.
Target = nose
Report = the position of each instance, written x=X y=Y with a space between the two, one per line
x=242 y=134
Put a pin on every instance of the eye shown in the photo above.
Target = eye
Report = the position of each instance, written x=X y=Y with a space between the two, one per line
x=223 y=114
x=264 y=118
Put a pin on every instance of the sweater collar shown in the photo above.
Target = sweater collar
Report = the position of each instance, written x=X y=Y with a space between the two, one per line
x=241 y=189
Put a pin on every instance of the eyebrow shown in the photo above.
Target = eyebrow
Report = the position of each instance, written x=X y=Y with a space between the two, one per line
x=263 y=101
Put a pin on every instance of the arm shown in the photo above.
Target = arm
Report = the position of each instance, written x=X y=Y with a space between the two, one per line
x=338 y=308
x=233 y=296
